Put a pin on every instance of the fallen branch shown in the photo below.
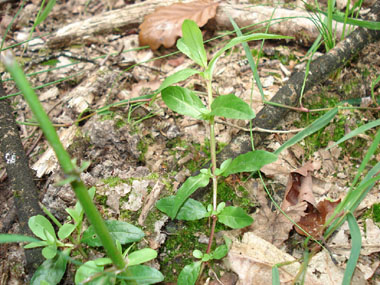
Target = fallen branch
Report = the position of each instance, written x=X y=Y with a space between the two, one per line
x=270 y=116
x=288 y=22
x=25 y=192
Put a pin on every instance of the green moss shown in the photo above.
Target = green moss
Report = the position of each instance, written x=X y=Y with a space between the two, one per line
x=113 y=181
x=101 y=199
x=179 y=246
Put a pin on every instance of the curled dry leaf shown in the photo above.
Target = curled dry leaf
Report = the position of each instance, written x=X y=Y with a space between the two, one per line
x=300 y=190
x=163 y=26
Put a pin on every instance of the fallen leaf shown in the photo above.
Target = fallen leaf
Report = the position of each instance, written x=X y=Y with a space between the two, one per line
x=299 y=191
x=163 y=26
x=274 y=227
x=252 y=260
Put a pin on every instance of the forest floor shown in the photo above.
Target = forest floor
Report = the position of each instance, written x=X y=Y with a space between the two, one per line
x=143 y=147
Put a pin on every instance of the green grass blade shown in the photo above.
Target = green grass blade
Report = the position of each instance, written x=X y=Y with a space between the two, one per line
x=249 y=56
x=275 y=276
x=356 y=132
x=10 y=24
x=356 y=244
x=367 y=157
x=8 y=238
x=43 y=15
x=315 y=126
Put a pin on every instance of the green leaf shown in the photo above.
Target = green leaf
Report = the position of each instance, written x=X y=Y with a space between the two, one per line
x=49 y=251
x=356 y=244
x=170 y=206
x=356 y=132
x=223 y=167
x=179 y=76
x=166 y=205
x=189 y=274
x=41 y=17
x=230 y=106
x=183 y=101
x=250 y=161
x=40 y=226
x=122 y=231
x=220 y=252
x=197 y=253
x=356 y=22
x=275 y=276
x=51 y=271
x=8 y=238
x=206 y=257
x=146 y=275
x=234 y=217
x=220 y=207
x=192 y=40
x=315 y=126
x=65 y=231
x=141 y=256
x=74 y=214
x=89 y=269
x=191 y=210
x=36 y=244
x=77 y=212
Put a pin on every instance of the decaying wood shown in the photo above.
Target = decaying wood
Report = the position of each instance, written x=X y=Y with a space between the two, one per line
x=297 y=25
x=20 y=177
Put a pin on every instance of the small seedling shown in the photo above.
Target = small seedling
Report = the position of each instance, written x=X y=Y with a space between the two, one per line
x=186 y=102
x=52 y=270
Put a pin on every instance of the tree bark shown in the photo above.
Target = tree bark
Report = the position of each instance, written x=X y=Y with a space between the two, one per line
x=20 y=176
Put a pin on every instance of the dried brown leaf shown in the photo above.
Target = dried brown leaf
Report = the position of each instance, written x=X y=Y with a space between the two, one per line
x=300 y=191
x=274 y=227
x=163 y=26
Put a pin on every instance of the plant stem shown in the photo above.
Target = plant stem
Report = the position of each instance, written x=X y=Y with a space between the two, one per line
x=213 y=166
x=64 y=159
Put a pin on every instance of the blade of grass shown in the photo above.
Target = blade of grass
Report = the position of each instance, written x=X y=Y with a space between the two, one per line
x=8 y=238
x=315 y=126
x=11 y=23
x=356 y=132
x=249 y=56
x=367 y=158
x=275 y=276
x=356 y=244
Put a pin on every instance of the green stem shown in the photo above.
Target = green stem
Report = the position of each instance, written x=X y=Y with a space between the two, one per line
x=64 y=159
x=212 y=148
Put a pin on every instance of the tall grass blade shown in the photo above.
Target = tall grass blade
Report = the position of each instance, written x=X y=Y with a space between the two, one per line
x=275 y=276
x=356 y=244
x=315 y=126
x=356 y=132
x=367 y=157
x=249 y=56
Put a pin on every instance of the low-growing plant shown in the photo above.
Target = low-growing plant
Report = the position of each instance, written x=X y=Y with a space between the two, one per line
x=57 y=252
x=185 y=102
x=120 y=266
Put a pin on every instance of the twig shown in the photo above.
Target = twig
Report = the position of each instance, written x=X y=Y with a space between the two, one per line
x=257 y=129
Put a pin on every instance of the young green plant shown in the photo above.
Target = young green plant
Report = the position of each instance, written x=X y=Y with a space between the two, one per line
x=41 y=226
x=186 y=102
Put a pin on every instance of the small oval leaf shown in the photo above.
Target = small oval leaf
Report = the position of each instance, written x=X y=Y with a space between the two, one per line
x=121 y=231
x=250 y=161
x=234 y=217
x=183 y=101
x=230 y=106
